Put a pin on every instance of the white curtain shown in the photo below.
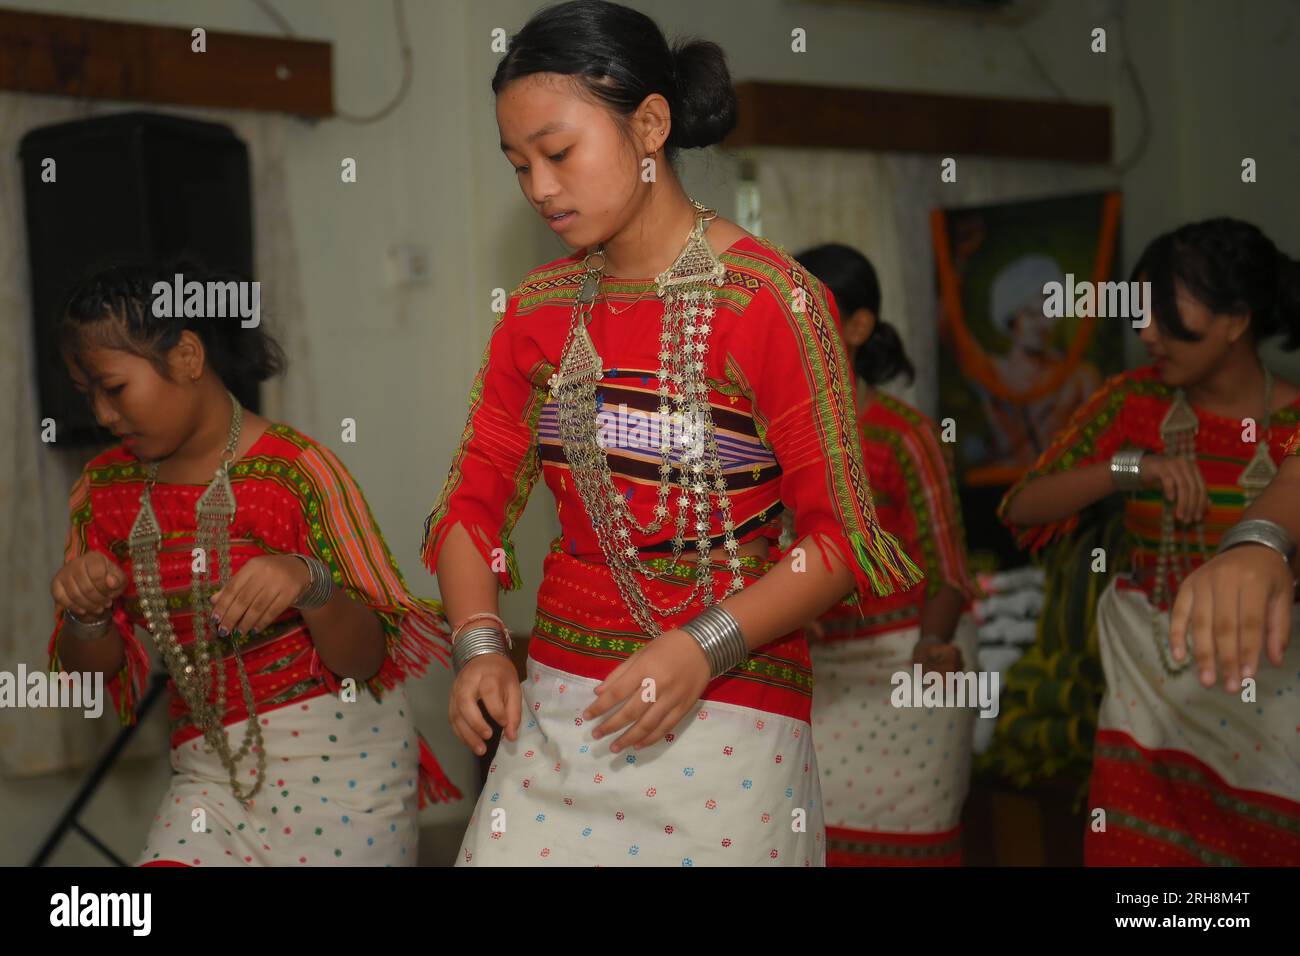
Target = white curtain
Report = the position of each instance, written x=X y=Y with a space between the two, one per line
x=35 y=477
x=880 y=204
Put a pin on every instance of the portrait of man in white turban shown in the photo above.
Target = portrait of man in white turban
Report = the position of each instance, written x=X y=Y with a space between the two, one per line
x=1022 y=429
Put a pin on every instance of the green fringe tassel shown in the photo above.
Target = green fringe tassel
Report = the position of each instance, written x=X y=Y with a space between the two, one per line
x=884 y=562
x=512 y=566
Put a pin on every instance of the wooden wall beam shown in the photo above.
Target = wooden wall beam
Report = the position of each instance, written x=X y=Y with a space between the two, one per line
x=783 y=114
x=107 y=59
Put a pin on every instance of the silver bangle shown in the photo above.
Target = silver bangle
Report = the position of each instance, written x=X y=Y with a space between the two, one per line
x=719 y=636
x=1126 y=468
x=320 y=586
x=86 y=630
x=476 y=642
x=1259 y=531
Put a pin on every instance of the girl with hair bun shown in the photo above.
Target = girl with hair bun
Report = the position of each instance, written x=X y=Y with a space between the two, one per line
x=1185 y=773
x=252 y=559
x=678 y=383
x=912 y=815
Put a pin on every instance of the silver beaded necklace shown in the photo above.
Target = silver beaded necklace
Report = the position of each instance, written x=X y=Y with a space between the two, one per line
x=686 y=288
x=198 y=676
x=1178 y=434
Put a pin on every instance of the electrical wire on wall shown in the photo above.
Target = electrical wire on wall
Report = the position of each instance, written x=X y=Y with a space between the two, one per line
x=1126 y=66
x=1139 y=93
x=404 y=44
x=1128 y=71
x=1014 y=16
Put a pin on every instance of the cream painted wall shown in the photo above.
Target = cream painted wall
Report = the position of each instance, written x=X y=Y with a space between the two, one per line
x=1221 y=78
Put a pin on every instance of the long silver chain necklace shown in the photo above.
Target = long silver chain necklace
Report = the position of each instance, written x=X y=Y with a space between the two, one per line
x=686 y=290
x=1178 y=432
x=197 y=677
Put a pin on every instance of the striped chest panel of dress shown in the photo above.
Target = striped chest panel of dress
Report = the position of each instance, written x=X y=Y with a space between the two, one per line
x=631 y=430
x=625 y=328
x=1221 y=458
x=1224 y=447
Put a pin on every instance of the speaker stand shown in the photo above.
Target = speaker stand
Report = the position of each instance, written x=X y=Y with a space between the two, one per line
x=69 y=820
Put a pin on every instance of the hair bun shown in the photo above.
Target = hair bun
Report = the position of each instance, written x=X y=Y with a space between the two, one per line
x=706 y=108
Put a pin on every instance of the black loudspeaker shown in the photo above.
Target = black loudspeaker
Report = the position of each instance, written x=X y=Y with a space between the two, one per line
x=128 y=187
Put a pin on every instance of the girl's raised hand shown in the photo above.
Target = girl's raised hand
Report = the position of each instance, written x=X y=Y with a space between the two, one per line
x=259 y=592
x=1230 y=607
x=88 y=584
x=1181 y=482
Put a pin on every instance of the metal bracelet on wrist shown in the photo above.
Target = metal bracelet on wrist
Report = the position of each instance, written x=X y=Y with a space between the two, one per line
x=719 y=636
x=320 y=587
x=1259 y=531
x=1126 y=468
x=476 y=642
x=85 y=630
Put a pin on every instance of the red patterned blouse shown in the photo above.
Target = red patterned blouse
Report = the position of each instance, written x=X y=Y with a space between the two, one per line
x=782 y=401
x=1127 y=412
x=914 y=486
x=293 y=495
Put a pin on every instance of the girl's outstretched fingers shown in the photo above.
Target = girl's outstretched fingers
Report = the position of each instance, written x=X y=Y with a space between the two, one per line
x=1279 y=626
x=1201 y=629
x=1180 y=617
x=1226 y=636
x=1252 y=621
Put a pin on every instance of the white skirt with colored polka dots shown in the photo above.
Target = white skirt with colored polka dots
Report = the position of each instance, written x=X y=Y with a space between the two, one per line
x=1251 y=740
x=733 y=786
x=341 y=789
x=887 y=769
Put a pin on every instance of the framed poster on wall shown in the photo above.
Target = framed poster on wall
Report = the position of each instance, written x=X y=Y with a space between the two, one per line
x=1021 y=348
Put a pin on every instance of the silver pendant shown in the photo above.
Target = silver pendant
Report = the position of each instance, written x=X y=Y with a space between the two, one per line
x=1257 y=474
x=580 y=365
x=1179 y=422
x=219 y=498
x=145 y=533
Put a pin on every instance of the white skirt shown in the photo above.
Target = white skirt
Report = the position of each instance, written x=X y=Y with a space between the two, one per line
x=733 y=786
x=887 y=769
x=341 y=789
x=1251 y=745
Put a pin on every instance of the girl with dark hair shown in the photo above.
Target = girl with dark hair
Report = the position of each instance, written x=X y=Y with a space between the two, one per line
x=267 y=591
x=669 y=415
x=1184 y=774
x=910 y=816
